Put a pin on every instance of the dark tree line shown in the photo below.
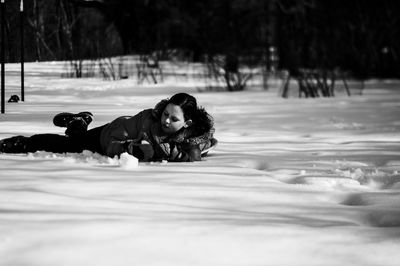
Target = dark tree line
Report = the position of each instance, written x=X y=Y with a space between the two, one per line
x=357 y=35
x=58 y=30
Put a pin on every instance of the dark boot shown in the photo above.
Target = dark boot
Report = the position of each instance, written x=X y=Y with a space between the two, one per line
x=76 y=124
x=76 y=127
x=64 y=119
x=16 y=144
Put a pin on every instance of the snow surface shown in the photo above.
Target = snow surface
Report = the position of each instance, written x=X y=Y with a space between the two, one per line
x=292 y=181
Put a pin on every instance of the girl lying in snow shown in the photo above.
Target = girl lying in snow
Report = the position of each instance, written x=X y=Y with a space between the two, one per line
x=176 y=129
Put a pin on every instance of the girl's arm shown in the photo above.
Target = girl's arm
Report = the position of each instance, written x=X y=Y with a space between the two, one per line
x=117 y=147
x=142 y=151
x=184 y=153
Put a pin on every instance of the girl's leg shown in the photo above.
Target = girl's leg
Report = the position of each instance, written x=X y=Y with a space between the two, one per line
x=89 y=140
x=52 y=143
x=40 y=142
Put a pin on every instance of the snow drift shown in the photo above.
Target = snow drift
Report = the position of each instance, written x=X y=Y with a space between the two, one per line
x=292 y=181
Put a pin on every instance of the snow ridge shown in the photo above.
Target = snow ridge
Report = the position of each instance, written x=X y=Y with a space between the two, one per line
x=126 y=160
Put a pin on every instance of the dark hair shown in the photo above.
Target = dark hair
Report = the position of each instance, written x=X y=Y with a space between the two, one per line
x=187 y=102
x=202 y=121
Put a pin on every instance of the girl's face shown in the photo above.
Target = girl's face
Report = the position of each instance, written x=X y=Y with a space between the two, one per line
x=172 y=119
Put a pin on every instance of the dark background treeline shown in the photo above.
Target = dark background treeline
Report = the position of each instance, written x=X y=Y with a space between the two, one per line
x=361 y=36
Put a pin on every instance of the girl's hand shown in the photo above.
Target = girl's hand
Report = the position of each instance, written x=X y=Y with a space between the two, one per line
x=144 y=152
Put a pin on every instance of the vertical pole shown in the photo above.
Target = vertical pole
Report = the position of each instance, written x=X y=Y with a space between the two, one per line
x=273 y=36
x=22 y=50
x=2 y=54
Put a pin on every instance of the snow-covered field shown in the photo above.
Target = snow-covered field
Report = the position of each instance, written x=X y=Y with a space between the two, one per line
x=292 y=182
